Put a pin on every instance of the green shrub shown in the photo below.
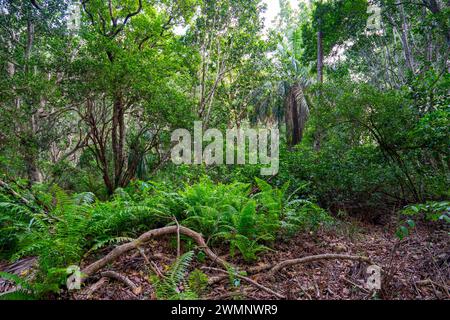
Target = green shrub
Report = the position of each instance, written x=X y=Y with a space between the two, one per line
x=430 y=211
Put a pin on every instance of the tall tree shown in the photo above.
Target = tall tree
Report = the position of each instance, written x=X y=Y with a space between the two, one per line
x=32 y=38
x=125 y=43
x=227 y=34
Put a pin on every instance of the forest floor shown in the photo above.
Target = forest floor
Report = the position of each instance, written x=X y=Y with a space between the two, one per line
x=417 y=267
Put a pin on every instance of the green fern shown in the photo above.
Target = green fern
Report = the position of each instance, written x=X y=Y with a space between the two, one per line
x=107 y=242
x=173 y=286
x=198 y=281
x=24 y=290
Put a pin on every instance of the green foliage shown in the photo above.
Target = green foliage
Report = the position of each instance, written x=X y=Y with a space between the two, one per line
x=304 y=215
x=198 y=281
x=73 y=226
x=339 y=20
x=86 y=114
x=405 y=229
x=354 y=155
x=24 y=290
x=225 y=212
x=174 y=285
x=228 y=213
x=431 y=211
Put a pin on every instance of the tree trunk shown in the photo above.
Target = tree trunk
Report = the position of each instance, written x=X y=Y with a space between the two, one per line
x=435 y=8
x=320 y=55
x=297 y=112
x=31 y=150
x=404 y=37
x=33 y=173
x=118 y=140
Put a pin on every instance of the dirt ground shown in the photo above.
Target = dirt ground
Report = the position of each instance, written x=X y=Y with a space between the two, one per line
x=414 y=268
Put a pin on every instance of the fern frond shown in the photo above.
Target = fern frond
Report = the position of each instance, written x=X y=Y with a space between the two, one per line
x=168 y=288
x=108 y=242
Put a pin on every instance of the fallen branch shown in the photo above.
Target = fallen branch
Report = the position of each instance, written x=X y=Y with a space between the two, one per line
x=433 y=284
x=96 y=286
x=252 y=282
x=273 y=268
x=293 y=262
x=151 y=264
x=117 y=276
x=135 y=244
x=231 y=295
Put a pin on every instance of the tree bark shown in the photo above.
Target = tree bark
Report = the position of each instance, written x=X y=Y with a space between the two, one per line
x=319 y=55
x=404 y=37
x=31 y=149
x=297 y=111
x=118 y=140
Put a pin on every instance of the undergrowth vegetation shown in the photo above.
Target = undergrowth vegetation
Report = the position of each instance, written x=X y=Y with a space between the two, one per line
x=90 y=106
x=64 y=228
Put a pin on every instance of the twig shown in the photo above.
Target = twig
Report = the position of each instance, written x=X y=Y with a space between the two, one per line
x=96 y=286
x=254 y=283
x=439 y=273
x=289 y=263
x=178 y=238
x=356 y=285
x=303 y=290
x=318 y=295
x=433 y=284
x=151 y=264
x=117 y=276
x=390 y=270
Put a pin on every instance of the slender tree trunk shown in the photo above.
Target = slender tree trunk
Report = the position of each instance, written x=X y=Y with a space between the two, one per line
x=318 y=134
x=320 y=55
x=429 y=43
x=435 y=8
x=404 y=37
x=31 y=150
x=118 y=140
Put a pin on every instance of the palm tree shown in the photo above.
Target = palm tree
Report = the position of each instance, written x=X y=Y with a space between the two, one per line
x=284 y=99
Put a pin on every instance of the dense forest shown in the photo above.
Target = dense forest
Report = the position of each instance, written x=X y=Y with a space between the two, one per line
x=93 y=204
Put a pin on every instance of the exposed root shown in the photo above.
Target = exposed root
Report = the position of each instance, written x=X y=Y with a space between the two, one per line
x=273 y=268
x=252 y=282
x=117 y=276
x=135 y=244
x=198 y=238
x=95 y=287
x=293 y=262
